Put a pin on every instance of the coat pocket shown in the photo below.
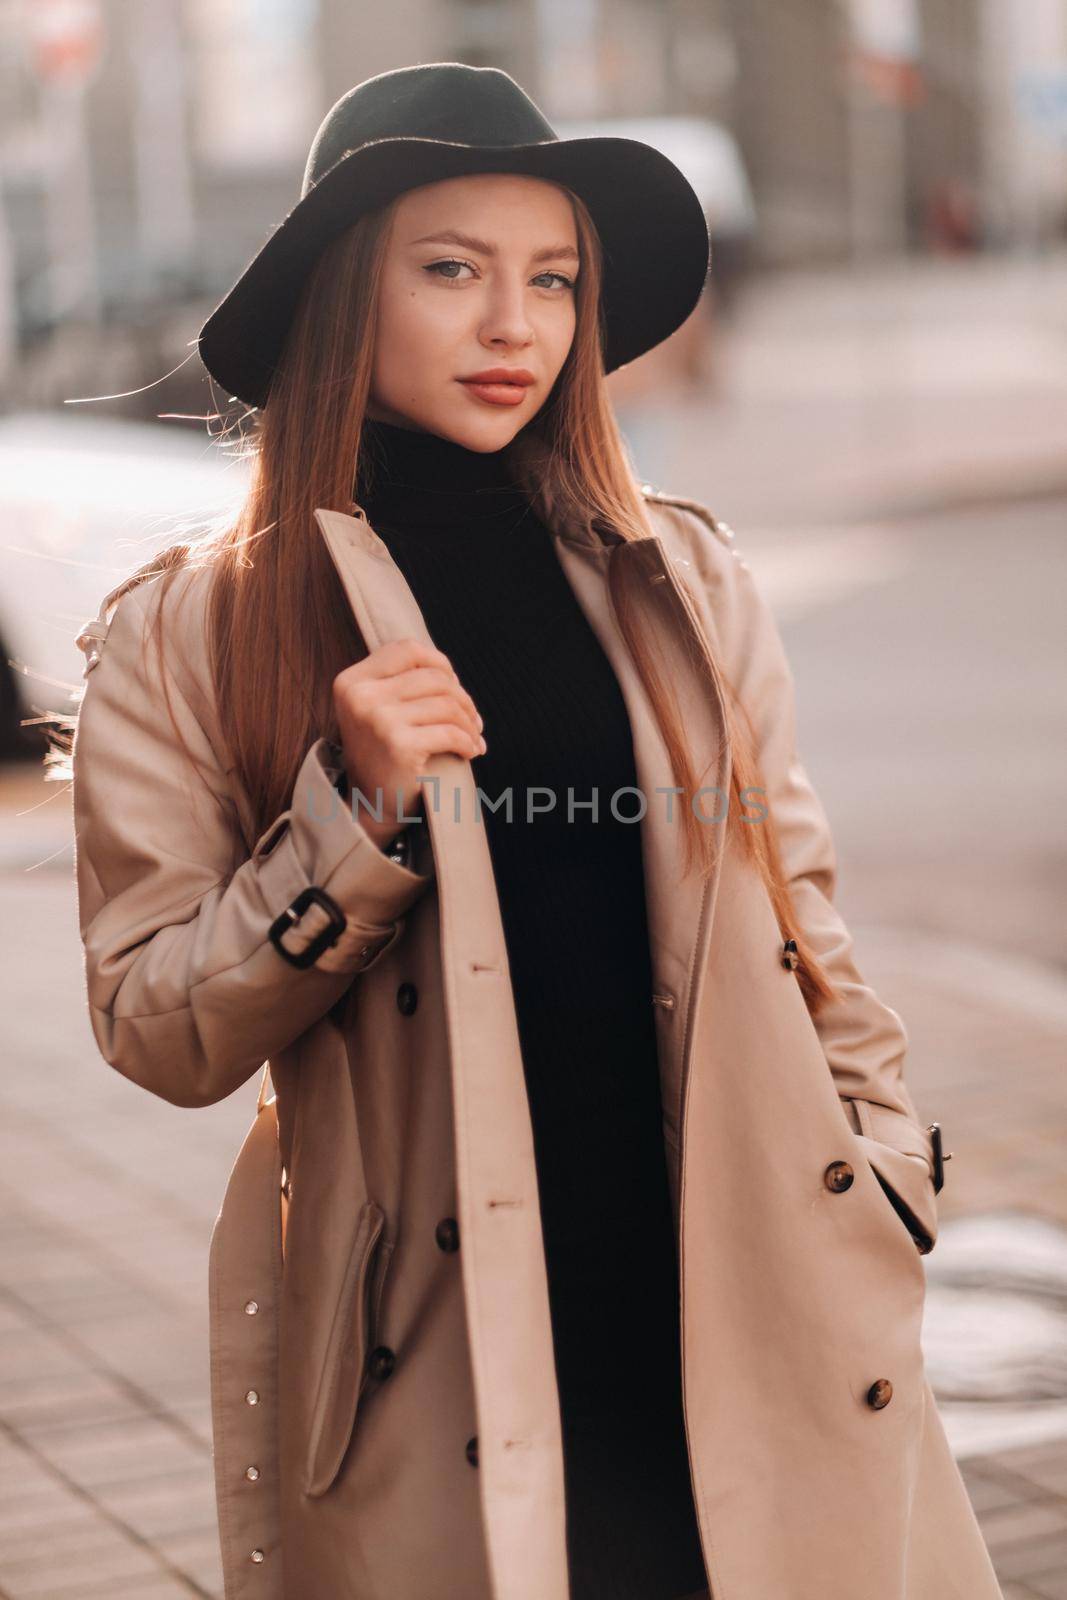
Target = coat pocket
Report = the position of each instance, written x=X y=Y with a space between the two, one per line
x=333 y=1416
x=894 y=1148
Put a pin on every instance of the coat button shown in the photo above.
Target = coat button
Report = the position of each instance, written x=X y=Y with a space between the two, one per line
x=472 y=1451
x=382 y=1361
x=257 y=1555
x=407 y=998
x=838 y=1177
x=447 y=1234
x=880 y=1393
x=790 y=955
x=398 y=848
x=251 y=1307
x=252 y=1396
x=252 y=1474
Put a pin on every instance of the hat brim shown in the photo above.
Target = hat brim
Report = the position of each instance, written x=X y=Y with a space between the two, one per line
x=651 y=225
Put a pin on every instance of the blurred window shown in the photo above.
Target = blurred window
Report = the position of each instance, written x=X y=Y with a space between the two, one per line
x=240 y=49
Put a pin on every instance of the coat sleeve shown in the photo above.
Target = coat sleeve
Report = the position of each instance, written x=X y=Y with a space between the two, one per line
x=863 y=1038
x=188 y=995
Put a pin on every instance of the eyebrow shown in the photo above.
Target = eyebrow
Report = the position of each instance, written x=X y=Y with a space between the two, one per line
x=553 y=252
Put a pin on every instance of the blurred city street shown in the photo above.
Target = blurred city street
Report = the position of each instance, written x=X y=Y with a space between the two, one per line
x=860 y=392
x=935 y=609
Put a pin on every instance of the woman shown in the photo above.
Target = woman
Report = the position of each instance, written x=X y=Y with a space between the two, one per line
x=521 y=1048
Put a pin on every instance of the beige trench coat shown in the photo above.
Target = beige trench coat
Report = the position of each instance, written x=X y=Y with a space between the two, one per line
x=386 y=1418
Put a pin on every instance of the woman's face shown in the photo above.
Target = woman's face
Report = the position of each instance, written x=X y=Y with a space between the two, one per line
x=479 y=273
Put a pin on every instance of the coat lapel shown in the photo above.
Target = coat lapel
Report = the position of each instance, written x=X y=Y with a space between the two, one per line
x=502 y=1260
x=505 y=1282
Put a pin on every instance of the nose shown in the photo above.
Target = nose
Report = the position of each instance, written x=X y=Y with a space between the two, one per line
x=506 y=320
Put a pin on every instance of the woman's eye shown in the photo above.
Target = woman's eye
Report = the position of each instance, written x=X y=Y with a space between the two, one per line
x=433 y=266
x=440 y=269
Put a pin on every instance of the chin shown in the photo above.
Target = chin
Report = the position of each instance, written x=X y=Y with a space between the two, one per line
x=493 y=434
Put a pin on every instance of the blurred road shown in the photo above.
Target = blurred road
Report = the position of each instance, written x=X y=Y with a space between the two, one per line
x=927 y=650
x=872 y=391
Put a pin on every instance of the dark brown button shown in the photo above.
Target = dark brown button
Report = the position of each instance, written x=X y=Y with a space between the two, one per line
x=447 y=1234
x=407 y=998
x=838 y=1177
x=472 y=1451
x=880 y=1393
x=382 y=1361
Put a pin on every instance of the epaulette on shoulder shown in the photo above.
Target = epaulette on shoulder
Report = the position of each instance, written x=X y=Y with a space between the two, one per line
x=91 y=638
x=722 y=529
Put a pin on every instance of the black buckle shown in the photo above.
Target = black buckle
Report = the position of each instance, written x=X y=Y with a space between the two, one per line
x=312 y=895
x=934 y=1130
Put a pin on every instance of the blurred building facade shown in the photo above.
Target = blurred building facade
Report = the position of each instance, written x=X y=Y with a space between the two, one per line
x=147 y=147
x=1024 y=133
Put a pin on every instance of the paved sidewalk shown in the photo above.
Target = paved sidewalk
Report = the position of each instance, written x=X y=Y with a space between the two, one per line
x=1021 y=1502
x=108 y=1197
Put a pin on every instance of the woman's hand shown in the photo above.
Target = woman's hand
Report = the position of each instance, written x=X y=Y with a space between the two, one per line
x=400 y=705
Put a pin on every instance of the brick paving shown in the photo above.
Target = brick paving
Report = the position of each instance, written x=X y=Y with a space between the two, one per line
x=1020 y=1498
x=1021 y=1501
x=107 y=1196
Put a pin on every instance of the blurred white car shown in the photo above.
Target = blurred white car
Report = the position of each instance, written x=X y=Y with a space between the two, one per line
x=83 y=502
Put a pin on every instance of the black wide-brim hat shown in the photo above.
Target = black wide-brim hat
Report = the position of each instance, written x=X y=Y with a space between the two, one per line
x=444 y=119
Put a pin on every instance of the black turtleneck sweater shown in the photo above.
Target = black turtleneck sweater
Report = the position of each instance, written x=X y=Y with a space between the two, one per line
x=485 y=574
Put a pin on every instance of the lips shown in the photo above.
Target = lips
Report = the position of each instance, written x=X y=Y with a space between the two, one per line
x=519 y=375
x=499 y=386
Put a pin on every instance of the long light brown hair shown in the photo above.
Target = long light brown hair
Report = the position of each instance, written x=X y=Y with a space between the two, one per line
x=280 y=626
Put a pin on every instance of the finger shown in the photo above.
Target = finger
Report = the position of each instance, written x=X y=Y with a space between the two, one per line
x=438 y=708
x=422 y=681
x=449 y=736
x=401 y=655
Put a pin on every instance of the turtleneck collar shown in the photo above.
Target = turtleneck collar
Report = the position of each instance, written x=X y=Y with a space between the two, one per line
x=419 y=477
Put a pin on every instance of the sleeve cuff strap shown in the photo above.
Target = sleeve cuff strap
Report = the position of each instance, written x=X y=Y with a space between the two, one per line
x=318 y=841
